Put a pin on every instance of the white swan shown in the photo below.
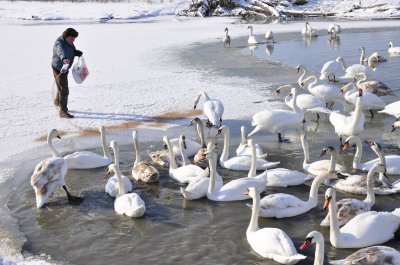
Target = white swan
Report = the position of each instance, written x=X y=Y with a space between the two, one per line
x=392 y=49
x=334 y=29
x=270 y=243
x=324 y=91
x=355 y=69
x=183 y=174
x=226 y=39
x=212 y=108
x=392 y=109
x=129 y=204
x=278 y=120
x=319 y=166
x=112 y=185
x=364 y=230
x=376 y=87
x=233 y=190
x=191 y=147
x=395 y=125
x=198 y=187
x=252 y=39
x=269 y=36
x=282 y=205
x=308 y=31
x=368 y=256
x=87 y=160
x=277 y=177
x=331 y=68
x=306 y=102
x=349 y=125
x=142 y=170
x=370 y=100
x=245 y=149
x=199 y=159
x=347 y=209
x=239 y=162
x=48 y=174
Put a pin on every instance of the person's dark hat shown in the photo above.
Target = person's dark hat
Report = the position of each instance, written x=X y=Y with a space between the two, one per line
x=70 y=32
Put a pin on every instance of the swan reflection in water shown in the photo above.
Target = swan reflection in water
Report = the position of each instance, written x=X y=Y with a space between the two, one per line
x=269 y=48
x=334 y=41
x=252 y=48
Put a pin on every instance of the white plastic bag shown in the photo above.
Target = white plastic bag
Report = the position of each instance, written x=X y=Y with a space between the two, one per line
x=80 y=70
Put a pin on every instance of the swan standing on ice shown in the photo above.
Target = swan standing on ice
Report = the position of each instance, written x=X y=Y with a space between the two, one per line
x=226 y=39
x=252 y=40
x=331 y=68
x=306 y=102
x=269 y=36
x=129 y=204
x=368 y=256
x=270 y=243
x=308 y=31
x=184 y=174
x=88 y=160
x=239 y=162
x=320 y=166
x=347 y=208
x=334 y=29
x=142 y=170
x=393 y=50
x=50 y=173
x=392 y=109
x=395 y=125
x=112 y=185
x=376 y=87
x=364 y=230
x=370 y=100
x=212 y=108
x=278 y=120
x=349 y=125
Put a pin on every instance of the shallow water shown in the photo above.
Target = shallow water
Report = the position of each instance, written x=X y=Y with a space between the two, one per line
x=175 y=231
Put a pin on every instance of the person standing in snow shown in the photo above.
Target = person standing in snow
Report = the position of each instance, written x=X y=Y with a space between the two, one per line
x=64 y=52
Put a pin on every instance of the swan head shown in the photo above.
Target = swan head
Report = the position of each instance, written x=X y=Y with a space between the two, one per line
x=278 y=90
x=134 y=135
x=299 y=67
x=111 y=169
x=226 y=29
x=391 y=44
x=221 y=130
x=351 y=140
x=113 y=145
x=53 y=134
x=193 y=121
x=362 y=48
x=345 y=88
x=292 y=91
x=329 y=195
x=182 y=140
x=395 y=125
x=166 y=142
x=360 y=93
x=102 y=130
x=251 y=191
x=197 y=99
x=376 y=147
x=250 y=27
x=329 y=150
x=312 y=238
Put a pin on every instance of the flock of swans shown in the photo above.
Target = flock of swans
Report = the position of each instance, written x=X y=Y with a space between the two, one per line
x=352 y=222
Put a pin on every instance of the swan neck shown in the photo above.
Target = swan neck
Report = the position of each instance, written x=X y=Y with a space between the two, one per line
x=301 y=78
x=253 y=225
x=225 y=152
x=200 y=132
x=319 y=252
x=332 y=164
x=53 y=151
x=182 y=152
x=358 y=154
x=334 y=223
x=304 y=144
x=313 y=196
x=116 y=154
x=172 y=161
x=206 y=97
x=253 y=167
x=343 y=64
x=136 y=145
x=104 y=145
x=370 y=199
x=213 y=172
x=294 y=104
x=121 y=185
x=362 y=56
x=243 y=131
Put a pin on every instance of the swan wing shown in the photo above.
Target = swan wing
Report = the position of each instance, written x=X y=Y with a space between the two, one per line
x=282 y=177
x=130 y=204
x=280 y=201
x=213 y=109
x=86 y=160
x=49 y=170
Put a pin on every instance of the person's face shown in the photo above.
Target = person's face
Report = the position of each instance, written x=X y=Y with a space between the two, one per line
x=70 y=40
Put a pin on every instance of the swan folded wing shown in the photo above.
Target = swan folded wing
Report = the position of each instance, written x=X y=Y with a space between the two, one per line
x=373 y=255
x=275 y=242
x=86 y=159
x=349 y=208
x=187 y=173
x=47 y=171
x=280 y=201
x=370 y=228
x=129 y=204
x=284 y=177
x=213 y=109
x=319 y=110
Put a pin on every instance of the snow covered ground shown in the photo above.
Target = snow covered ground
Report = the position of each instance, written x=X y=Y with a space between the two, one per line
x=134 y=74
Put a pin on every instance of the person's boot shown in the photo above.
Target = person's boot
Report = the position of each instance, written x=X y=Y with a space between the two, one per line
x=57 y=100
x=65 y=114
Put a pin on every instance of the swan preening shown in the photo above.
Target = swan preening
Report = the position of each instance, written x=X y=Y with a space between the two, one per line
x=364 y=230
x=88 y=160
x=334 y=29
x=49 y=174
x=212 y=108
x=332 y=68
x=369 y=256
x=278 y=120
x=270 y=243
x=226 y=39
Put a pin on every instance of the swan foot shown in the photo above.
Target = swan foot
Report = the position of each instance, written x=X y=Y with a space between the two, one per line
x=317 y=120
x=330 y=105
x=372 y=114
x=209 y=125
x=72 y=199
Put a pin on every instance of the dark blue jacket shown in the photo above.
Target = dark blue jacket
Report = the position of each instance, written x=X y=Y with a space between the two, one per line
x=62 y=50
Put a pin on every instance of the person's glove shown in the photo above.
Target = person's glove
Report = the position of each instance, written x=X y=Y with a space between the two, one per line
x=78 y=53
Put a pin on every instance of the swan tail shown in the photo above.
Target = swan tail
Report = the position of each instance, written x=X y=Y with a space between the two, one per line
x=189 y=195
x=139 y=211
x=255 y=130
x=325 y=223
x=263 y=156
x=288 y=259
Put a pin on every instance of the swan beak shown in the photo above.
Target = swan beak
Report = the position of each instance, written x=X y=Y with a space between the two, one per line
x=302 y=84
x=306 y=244
x=372 y=67
x=184 y=142
x=165 y=146
x=322 y=153
x=246 y=193
x=360 y=92
x=346 y=146
x=326 y=202
x=194 y=106
x=370 y=143
x=393 y=128
x=277 y=92
x=291 y=94
x=341 y=92
x=218 y=132
x=108 y=172
x=298 y=69
x=58 y=136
